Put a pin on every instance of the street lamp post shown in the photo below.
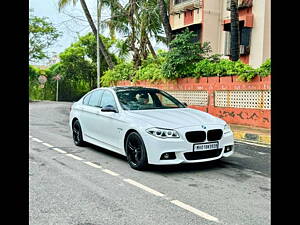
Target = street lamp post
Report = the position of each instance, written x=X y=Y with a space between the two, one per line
x=56 y=90
x=98 y=49
x=57 y=78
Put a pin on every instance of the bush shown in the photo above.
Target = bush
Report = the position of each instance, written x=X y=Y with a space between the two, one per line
x=225 y=67
x=265 y=69
x=183 y=55
x=122 y=71
x=151 y=69
x=205 y=68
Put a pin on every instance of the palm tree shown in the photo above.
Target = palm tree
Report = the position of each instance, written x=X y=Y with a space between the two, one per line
x=165 y=20
x=234 y=31
x=104 y=51
x=137 y=21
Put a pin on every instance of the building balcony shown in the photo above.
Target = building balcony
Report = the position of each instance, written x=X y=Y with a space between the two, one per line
x=183 y=5
x=241 y=4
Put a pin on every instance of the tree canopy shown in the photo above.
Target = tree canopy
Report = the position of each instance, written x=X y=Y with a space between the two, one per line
x=42 y=35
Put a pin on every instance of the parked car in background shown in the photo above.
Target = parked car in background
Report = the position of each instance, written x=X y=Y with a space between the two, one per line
x=148 y=126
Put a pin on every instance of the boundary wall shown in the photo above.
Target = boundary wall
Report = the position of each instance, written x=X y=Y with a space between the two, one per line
x=237 y=102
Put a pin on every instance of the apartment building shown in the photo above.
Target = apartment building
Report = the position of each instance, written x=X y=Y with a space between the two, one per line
x=210 y=20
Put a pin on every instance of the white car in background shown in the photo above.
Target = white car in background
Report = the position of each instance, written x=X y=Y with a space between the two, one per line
x=148 y=126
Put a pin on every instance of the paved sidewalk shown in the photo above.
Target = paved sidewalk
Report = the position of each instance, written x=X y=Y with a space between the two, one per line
x=251 y=134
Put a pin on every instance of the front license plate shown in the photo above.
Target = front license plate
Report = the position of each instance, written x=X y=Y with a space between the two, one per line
x=206 y=146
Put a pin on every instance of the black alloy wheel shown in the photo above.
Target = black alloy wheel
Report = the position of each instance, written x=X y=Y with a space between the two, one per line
x=77 y=134
x=136 y=151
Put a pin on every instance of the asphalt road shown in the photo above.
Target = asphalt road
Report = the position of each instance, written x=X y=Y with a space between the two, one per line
x=90 y=185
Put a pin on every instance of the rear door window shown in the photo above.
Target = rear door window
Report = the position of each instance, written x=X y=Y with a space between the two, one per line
x=86 y=99
x=95 y=98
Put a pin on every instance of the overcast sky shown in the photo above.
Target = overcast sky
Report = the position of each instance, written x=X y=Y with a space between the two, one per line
x=71 y=21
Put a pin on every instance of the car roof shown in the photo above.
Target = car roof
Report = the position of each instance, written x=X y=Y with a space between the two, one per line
x=131 y=88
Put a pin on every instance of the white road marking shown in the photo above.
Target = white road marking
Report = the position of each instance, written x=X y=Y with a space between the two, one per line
x=242 y=156
x=195 y=211
x=251 y=143
x=74 y=157
x=262 y=153
x=110 y=172
x=37 y=140
x=48 y=145
x=93 y=165
x=139 y=185
x=59 y=150
x=145 y=188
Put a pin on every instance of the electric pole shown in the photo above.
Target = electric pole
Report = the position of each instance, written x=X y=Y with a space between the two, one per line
x=98 y=49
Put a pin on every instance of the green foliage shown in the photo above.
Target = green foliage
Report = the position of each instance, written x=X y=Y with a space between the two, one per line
x=122 y=71
x=244 y=71
x=42 y=35
x=35 y=91
x=265 y=69
x=184 y=54
x=226 y=67
x=205 y=68
x=79 y=61
x=77 y=67
x=33 y=73
x=151 y=69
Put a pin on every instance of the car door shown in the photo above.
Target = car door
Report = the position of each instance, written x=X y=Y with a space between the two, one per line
x=111 y=122
x=90 y=112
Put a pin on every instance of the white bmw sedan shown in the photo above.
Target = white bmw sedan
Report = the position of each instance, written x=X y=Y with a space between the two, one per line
x=148 y=126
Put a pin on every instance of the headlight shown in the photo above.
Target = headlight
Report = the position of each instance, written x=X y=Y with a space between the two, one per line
x=226 y=128
x=163 y=133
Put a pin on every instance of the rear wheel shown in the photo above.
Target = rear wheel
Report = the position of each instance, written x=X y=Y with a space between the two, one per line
x=136 y=151
x=77 y=134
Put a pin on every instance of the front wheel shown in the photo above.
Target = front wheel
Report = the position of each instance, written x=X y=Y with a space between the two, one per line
x=136 y=151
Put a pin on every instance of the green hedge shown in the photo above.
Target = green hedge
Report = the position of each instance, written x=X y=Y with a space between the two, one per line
x=185 y=58
x=151 y=70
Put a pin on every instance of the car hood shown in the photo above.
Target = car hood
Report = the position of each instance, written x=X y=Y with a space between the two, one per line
x=174 y=118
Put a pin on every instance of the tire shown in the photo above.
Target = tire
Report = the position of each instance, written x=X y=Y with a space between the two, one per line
x=77 y=134
x=136 y=151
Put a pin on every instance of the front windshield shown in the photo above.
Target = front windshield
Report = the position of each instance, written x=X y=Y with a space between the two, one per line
x=144 y=99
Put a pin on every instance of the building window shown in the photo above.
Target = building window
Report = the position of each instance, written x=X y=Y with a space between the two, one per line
x=245 y=38
x=180 y=1
x=241 y=4
x=196 y=28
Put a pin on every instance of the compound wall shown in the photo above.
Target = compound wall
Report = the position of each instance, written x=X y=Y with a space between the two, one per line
x=237 y=102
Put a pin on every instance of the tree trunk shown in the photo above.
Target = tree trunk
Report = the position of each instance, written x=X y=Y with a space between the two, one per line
x=136 y=56
x=165 y=20
x=151 y=47
x=143 y=41
x=102 y=47
x=234 y=31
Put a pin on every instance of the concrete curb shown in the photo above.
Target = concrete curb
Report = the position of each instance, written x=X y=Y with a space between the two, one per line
x=252 y=137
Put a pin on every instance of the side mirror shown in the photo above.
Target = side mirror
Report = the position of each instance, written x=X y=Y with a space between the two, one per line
x=109 y=108
x=185 y=104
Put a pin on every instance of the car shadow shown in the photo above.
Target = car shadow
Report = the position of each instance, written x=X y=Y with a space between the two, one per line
x=184 y=167
x=105 y=151
x=192 y=167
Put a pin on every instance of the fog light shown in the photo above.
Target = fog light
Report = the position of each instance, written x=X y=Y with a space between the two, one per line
x=228 y=148
x=168 y=155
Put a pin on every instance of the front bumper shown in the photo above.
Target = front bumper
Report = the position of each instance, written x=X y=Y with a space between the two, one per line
x=157 y=146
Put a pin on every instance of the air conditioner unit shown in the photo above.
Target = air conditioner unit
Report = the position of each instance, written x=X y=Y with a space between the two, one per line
x=228 y=5
x=242 y=49
x=227 y=44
